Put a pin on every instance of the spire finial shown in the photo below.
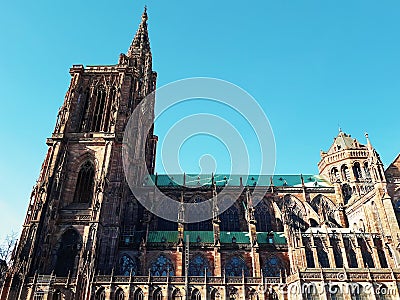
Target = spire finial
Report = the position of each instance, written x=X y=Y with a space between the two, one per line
x=144 y=15
x=368 y=141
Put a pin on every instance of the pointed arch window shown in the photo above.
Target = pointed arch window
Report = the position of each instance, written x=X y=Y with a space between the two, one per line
x=273 y=267
x=198 y=265
x=196 y=295
x=357 y=171
x=203 y=225
x=230 y=219
x=309 y=253
x=263 y=217
x=236 y=266
x=177 y=295
x=381 y=253
x=351 y=254
x=98 y=112
x=321 y=253
x=157 y=295
x=162 y=266
x=127 y=265
x=366 y=253
x=138 y=295
x=366 y=171
x=345 y=173
x=337 y=252
x=101 y=294
x=119 y=295
x=67 y=252
x=85 y=184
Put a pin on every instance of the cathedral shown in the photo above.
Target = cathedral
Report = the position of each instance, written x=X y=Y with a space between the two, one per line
x=330 y=236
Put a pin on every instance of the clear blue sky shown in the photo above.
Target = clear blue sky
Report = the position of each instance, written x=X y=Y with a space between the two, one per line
x=310 y=64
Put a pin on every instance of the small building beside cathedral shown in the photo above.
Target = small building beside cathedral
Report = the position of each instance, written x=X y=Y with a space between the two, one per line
x=334 y=235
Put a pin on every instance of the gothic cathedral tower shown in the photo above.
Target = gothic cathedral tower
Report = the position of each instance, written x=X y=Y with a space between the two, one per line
x=75 y=215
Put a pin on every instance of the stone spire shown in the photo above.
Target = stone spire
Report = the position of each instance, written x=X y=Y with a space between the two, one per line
x=141 y=40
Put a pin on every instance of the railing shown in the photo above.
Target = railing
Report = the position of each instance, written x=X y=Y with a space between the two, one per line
x=354 y=275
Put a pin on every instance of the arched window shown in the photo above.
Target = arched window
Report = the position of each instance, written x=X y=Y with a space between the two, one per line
x=337 y=252
x=203 y=225
x=101 y=294
x=263 y=217
x=85 y=184
x=345 y=173
x=127 y=266
x=366 y=171
x=198 y=265
x=162 y=266
x=236 y=266
x=357 y=171
x=157 y=294
x=321 y=253
x=230 y=219
x=119 y=295
x=381 y=253
x=335 y=175
x=138 y=295
x=196 y=295
x=68 y=250
x=98 y=112
x=309 y=253
x=273 y=267
x=176 y=295
x=351 y=254
x=366 y=253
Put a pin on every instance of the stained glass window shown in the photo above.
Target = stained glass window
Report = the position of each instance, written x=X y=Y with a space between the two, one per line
x=230 y=219
x=273 y=267
x=263 y=217
x=203 y=225
x=162 y=266
x=198 y=265
x=127 y=265
x=235 y=266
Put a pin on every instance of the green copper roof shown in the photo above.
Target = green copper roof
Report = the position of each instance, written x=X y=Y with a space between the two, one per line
x=199 y=236
x=234 y=180
x=279 y=238
x=226 y=237
x=162 y=236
